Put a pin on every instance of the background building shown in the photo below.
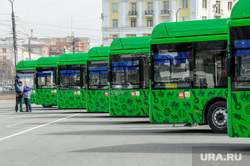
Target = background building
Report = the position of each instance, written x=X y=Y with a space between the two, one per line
x=7 y=63
x=129 y=18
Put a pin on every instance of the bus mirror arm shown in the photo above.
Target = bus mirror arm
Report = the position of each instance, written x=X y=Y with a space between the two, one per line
x=86 y=79
x=149 y=72
x=109 y=76
x=229 y=66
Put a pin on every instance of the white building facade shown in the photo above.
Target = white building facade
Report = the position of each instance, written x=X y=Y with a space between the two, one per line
x=129 y=18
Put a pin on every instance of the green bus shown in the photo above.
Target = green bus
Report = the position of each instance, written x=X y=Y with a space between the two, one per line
x=188 y=83
x=46 y=76
x=97 y=83
x=71 y=81
x=25 y=72
x=238 y=68
x=128 y=77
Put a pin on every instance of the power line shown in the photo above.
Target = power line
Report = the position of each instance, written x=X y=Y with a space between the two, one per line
x=42 y=6
x=59 y=25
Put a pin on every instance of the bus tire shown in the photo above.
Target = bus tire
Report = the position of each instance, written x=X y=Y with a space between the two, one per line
x=217 y=117
x=47 y=106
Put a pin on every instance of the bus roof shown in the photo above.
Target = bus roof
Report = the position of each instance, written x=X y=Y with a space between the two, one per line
x=241 y=10
x=190 y=28
x=130 y=45
x=26 y=65
x=47 y=62
x=72 y=58
x=97 y=53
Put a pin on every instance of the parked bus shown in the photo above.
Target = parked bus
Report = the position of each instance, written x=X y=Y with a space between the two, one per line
x=188 y=79
x=25 y=72
x=238 y=68
x=128 y=76
x=71 y=81
x=46 y=75
x=97 y=83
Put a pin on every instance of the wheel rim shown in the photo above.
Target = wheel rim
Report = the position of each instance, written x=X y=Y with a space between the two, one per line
x=219 y=117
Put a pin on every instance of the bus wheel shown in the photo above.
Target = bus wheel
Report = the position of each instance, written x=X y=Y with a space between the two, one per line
x=217 y=117
x=47 y=106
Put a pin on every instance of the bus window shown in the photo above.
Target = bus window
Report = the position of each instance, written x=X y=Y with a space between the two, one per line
x=172 y=67
x=209 y=65
x=189 y=65
x=97 y=72
x=125 y=75
x=26 y=78
x=70 y=79
x=46 y=79
x=128 y=71
x=240 y=39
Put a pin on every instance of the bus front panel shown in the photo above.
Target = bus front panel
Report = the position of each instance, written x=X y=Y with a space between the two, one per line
x=129 y=85
x=71 y=87
x=46 y=89
x=98 y=88
x=240 y=82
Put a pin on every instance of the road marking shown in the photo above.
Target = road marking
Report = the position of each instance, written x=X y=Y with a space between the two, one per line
x=37 y=127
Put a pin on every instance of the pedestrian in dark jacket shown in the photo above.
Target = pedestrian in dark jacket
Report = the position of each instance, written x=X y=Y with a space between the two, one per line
x=19 y=96
x=26 y=96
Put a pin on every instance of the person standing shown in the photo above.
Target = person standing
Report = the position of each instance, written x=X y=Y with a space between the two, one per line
x=26 y=95
x=19 y=96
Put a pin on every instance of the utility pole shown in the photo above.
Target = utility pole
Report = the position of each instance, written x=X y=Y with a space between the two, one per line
x=30 y=37
x=73 y=42
x=29 y=49
x=72 y=34
x=14 y=31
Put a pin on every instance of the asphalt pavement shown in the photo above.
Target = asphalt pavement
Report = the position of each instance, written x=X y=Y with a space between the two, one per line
x=51 y=137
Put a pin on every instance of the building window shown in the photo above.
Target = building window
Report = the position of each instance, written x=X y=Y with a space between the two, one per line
x=185 y=18
x=217 y=10
x=150 y=7
x=4 y=50
x=133 y=22
x=184 y=4
x=230 y=5
x=204 y=17
x=133 y=7
x=4 y=58
x=150 y=22
x=115 y=23
x=165 y=7
x=114 y=7
x=165 y=19
x=204 y=4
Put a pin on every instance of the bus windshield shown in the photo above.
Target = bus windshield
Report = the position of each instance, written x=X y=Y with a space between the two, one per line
x=46 y=79
x=129 y=71
x=240 y=38
x=71 y=77
x=97 y=72
x=189 y=65
x=26 y=78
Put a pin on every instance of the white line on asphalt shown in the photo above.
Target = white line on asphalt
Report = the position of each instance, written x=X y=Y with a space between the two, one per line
x=46 y=124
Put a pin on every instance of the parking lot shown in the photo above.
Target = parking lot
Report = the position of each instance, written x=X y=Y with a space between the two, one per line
x=49 y=137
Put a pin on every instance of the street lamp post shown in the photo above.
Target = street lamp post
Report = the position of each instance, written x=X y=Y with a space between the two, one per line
x=176 y=14
x=14 y=31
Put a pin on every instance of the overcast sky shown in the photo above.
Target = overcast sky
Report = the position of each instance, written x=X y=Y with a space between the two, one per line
x=52 y=18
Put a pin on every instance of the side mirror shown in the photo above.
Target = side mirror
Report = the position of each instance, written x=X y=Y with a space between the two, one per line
x=149 y=72
x=229 y=66
x=109 y=76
